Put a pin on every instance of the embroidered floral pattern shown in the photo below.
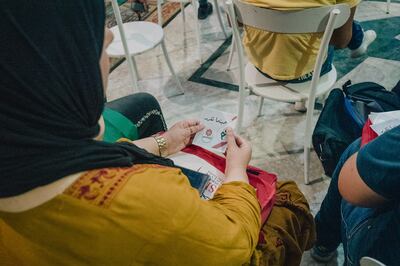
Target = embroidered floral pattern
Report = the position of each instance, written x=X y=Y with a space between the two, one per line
x=99 y=187
x=150 y=113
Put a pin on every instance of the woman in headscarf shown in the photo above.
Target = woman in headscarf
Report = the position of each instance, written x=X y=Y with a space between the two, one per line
x=66 y=197
x=69 y=198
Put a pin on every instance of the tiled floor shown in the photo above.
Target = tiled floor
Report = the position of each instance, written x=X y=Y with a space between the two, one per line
x=277 y=136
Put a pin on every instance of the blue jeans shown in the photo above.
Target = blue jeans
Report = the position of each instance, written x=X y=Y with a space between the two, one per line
x=355 y=42
x=340 y=222
x=356 y=37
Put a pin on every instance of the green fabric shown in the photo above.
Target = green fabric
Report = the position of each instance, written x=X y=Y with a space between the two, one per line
x=118 y=126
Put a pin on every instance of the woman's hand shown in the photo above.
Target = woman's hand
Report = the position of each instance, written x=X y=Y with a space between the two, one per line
x=238 y=155
x=181 y=134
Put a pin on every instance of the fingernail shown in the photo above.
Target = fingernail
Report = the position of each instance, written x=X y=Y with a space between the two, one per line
x=229 y=130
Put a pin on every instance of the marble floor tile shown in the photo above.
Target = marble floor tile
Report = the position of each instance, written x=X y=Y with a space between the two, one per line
x=373 y=10
x=382 y=71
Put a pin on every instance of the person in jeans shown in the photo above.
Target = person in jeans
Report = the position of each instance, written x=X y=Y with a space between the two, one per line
x=291 y=57
x=362 y=206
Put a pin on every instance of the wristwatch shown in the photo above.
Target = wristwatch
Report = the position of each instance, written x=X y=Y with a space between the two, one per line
x=162 y=145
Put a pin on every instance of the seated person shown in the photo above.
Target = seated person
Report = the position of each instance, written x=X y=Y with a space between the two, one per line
x=362 y=209
x=291 y=57
x=68 y=197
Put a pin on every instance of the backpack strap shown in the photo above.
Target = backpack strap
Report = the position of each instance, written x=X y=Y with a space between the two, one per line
x=359 y=87
x=345 y=87
x=354 y=113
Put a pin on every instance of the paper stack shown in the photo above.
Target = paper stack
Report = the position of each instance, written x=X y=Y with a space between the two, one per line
x=385 y=121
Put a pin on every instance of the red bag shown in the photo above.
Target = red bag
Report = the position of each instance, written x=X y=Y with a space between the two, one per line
x=367 y=133
x=262 y=181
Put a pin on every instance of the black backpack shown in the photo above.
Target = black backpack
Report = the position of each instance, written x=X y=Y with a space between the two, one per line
x=343 y=116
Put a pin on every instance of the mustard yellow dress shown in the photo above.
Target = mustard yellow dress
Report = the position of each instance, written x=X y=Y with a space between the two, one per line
x=142 y=215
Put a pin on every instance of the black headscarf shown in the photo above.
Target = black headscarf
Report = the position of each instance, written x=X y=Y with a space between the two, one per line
x=51 y=94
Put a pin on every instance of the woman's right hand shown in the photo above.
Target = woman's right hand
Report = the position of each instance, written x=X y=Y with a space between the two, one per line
x=238 y=155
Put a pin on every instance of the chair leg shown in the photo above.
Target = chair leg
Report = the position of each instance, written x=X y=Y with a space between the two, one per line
x=231 y=52
x=260 y=106
x=242 y=97
x=131 y=65
x=178 y=83
x=135 y=68
x=159 y=12
x=240 y=112
x=306 y=165
x=221 y=23
x=387 y=6
x=307 y=140
x=133 y=73
x=183 y=12
x=197 y=29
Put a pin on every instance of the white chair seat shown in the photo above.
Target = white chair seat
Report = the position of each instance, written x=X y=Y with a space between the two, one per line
x=286 y=92
x=141 y=36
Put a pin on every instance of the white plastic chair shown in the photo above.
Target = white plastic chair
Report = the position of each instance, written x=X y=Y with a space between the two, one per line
x=231 y=53
x=321 y=19
x=134 y=38
x=367 y=261
x=197 y=29
x=233 y=45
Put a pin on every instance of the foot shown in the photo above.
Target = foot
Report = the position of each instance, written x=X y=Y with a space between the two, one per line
x=300 y=107
x=369 y=37
x=321 y=254
x=204 y=11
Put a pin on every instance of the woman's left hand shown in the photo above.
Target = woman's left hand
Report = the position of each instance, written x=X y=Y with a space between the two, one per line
x=181 y=134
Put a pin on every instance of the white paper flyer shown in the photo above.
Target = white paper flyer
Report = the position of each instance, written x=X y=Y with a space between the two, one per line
x=213 y=136
x=385 y=121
